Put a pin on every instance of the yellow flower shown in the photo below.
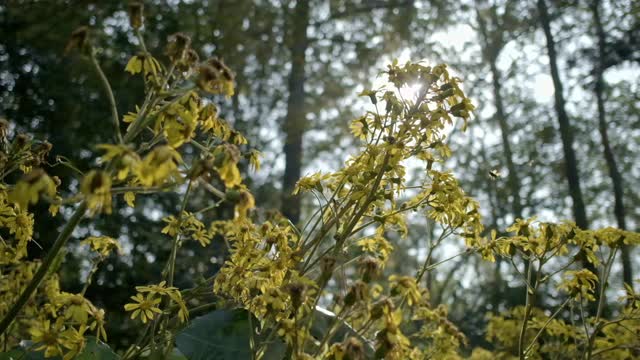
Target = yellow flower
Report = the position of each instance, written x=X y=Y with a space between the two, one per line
x=124 y=156
x=227 y=157
x=103 y=245
x=310 y=182
x=96 y=187
x=30 y=187
x=47 y=337
x=145 y=63
x=144 y=306
x=245 y=203
x=158 y=166
x=77 y=307
x=254 y=159
x=406 y=287
x=173 y=226
x=73 y=341
x=21 y=226
x=130 y=198
x=172 y=292
x=98 y=324
x=579 y=283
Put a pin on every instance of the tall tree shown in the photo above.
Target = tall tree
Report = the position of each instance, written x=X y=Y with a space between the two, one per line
x=295 y=122
x=493 y=42
x=614 y=172
x=566 y=132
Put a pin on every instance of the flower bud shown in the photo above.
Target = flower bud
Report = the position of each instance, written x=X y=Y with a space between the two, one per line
x=136 y=10
x=79 y=39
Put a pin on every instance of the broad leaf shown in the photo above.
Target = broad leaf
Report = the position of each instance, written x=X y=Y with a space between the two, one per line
x=222 y=334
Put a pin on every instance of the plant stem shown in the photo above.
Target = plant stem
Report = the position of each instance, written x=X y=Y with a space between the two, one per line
x=176 y=240
x=545 y=325
x=527 y=309
x=60 y=242
x=112 y=99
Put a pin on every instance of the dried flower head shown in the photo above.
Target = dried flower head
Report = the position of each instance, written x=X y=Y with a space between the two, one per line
x=136 y=14
x=79 y=39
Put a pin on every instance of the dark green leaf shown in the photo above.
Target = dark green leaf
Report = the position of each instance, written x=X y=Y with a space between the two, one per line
x=222 y=334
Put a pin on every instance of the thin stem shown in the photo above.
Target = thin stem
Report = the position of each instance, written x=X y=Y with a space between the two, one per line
x=112 y=99
x=141 y=40
x=176 y=240
x=527 y=308
x=92 y=272
x=545 y=325
x=60 y=242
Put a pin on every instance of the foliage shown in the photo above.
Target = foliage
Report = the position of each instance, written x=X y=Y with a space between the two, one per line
x=269 y=291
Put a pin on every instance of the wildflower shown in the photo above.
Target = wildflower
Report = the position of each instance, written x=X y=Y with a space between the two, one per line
x=77 y=307
x=158 y=166
x=103 y=245
x=130 y=198
x=73 y=340
x=172 y=292
x=226 y=159
x=310 y=182
x=145 y=64
x=173 y=226
x=96 y=187
x=579 y=283
x=244 y=204
x=21 y=225
x=29 y=189
x=98 y=323
x=146 y=307
x=406 y=287
x=254 y=159
x=124 y=156
x=179 y=124
x=48 y=337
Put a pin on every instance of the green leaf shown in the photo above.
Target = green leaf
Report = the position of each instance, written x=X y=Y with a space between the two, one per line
x=97 y=350
x=93 y=350
x=23 y=354
x=223 y=334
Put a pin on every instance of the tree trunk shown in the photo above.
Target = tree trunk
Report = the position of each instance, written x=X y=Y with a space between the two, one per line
x=614 y=173
x=492 y=46
x=295 y=122
x=491 y=50
x=566 y=134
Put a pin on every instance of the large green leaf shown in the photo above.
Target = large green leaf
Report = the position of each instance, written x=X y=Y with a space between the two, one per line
x=93 y=350
x=97 y=350
x=22 y=354
x=222 y=335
